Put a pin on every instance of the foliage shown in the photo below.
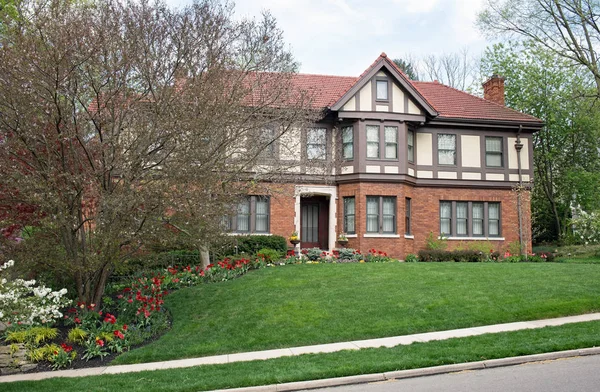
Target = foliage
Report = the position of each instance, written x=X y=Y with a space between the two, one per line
x=348 y=254
x=314 y=254
x=411 y=258
x=377 y=256
x=63 y=357
x=435 y=243
x=252 y=243
x=408 y=68
x=586 y=226
x=472 y=256
x=111 y=138
x=44 y=353
x=22 y=302
x=76 y=335
x=566 y=160
x=269 y=255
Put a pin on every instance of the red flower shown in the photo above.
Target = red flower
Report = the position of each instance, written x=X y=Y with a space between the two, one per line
x=100 y=342
x=77 y=321
x=124 y=327
x=119 y=334
x=66 y=347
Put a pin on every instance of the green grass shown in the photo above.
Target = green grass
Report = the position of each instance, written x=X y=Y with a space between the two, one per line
x=344 y=363
x=311 y=304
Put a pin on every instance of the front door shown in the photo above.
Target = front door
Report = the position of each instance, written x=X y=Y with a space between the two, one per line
x=314 y=222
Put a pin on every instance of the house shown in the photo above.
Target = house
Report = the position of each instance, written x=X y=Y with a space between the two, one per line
x=411 y=158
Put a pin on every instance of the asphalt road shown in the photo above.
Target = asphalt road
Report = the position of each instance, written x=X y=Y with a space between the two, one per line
x=581 y=374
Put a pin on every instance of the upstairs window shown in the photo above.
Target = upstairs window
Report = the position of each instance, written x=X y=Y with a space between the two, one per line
x=348 y=143
x=316 y=143
x=493 y=152
x=266 y=139
x=382 y=90
x=391 y=142
x=446 y=149
x=372 y=141
x=411 y=146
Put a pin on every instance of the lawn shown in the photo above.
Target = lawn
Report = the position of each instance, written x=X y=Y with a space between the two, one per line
x=310 y=304
x=343 y=363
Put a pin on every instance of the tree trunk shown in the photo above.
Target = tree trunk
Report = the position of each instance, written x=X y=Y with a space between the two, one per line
x=204 y=256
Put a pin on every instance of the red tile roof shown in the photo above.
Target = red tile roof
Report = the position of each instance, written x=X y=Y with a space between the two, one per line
x=324 y=89
x=447 y=101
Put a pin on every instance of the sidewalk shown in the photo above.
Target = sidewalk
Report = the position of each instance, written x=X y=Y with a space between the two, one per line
x=321 y=348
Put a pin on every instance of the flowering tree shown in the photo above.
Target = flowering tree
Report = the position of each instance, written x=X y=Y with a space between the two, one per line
x=117 y=117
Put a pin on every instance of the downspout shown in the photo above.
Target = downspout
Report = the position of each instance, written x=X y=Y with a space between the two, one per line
x=518 y=148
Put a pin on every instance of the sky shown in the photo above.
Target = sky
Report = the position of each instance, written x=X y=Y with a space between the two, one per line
x=343 y=37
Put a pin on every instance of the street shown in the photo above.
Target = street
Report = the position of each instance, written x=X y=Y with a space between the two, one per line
x=581 y=374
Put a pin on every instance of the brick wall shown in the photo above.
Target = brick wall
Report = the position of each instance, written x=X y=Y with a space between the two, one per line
x=425 y=214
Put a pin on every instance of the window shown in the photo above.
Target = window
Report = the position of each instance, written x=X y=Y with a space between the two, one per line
x=469 y=219
x=381 y=214
x=316 y=143
x=461 y=218
x=477 y=219
x=493 y=152
x=372 y=141
x=252 y=216
x=445 y=218
x=391 y=142
x=349 y=214
x=411 y=146
x=494 y=219
x=266 y=139
x=348 y=143
x=382 y=90
x=407 y=208
x=446 y=149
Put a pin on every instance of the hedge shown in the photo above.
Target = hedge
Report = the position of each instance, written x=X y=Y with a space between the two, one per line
x=471 y=256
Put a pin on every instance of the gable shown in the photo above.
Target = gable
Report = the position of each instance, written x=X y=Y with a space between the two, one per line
x=366 y=100
x=384 y=88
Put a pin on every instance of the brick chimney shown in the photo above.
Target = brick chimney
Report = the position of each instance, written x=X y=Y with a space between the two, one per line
x=493 y=89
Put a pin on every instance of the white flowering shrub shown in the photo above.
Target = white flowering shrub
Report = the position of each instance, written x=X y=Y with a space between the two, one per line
x=22 y=302
x=586 y=226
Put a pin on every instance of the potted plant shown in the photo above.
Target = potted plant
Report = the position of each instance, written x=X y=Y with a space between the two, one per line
x=294 y=239
x=342 y=239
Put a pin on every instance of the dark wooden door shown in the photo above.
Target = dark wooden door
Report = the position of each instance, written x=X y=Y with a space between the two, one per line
x=314 y=222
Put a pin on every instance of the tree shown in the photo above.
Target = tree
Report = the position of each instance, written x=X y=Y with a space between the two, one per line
x=453 y=69
x=123 y=119
x=407 y=67
x=566 y=159
x=568 y=28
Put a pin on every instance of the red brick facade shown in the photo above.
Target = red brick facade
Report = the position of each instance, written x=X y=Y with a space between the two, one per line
x=425 y=214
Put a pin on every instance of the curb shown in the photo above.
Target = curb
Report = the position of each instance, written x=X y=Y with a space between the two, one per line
x=412 y=373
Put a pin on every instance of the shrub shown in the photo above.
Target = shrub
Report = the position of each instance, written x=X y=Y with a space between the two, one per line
x=313 y=254
x=22 y=302
x=252 y=243
x=471 y=256
x=269 y=255
x=347 y=254
x=434 y=243
x=411 y=258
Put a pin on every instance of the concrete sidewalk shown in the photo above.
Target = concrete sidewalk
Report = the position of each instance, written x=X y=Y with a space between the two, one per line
x=321 y=348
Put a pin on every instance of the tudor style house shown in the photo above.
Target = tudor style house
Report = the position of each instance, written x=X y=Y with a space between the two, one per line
x=412 y=158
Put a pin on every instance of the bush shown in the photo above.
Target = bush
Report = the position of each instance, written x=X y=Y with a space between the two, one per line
x=411 y=258
x=253 y=243
x=460 y=256
x=434 y=243
x=269 y=255
x=347 y=254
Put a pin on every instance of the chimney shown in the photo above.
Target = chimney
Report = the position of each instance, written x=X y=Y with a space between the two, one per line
x=493 y=89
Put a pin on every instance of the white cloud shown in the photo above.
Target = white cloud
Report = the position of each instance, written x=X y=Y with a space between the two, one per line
x=416 y=6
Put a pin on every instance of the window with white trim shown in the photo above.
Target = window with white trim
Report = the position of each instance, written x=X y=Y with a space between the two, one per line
x=382 y=90
x=411 y=146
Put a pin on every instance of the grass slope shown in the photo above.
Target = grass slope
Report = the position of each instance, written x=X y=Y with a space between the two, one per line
x=344 y=363
x=310 y=304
